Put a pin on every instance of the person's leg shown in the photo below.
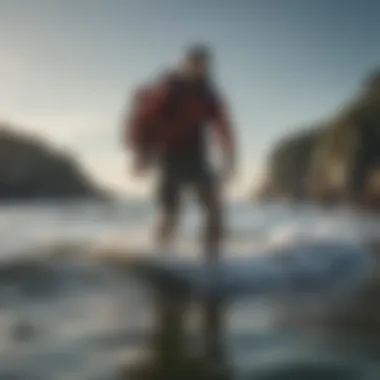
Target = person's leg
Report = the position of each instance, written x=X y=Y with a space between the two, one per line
x=169 y=343
x=169 y=208
x=210 y=200
x=166 y=226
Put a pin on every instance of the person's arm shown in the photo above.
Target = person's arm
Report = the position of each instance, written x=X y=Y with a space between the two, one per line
x=223 y=128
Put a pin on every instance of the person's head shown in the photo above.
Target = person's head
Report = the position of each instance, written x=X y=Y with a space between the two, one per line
x=197 y=61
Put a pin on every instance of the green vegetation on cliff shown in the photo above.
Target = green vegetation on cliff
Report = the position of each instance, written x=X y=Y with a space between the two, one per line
x=338 y=161
x=30 y=169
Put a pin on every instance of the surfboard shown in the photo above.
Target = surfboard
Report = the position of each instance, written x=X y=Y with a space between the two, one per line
x=302 y=268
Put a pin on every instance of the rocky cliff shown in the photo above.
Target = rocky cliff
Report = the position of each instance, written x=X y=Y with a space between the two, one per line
x=335 y=162
x=30 y=169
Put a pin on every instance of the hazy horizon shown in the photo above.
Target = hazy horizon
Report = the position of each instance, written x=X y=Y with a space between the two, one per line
x=68 y=67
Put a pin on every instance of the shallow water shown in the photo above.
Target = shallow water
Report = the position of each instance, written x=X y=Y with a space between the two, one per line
x=68 y=317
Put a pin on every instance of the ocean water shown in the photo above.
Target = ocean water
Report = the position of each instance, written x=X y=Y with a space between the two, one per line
x=65 y=315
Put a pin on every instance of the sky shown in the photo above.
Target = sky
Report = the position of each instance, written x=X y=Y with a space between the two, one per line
x=68 y=68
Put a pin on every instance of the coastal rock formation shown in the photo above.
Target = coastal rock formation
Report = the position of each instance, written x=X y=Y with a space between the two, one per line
x=30 y=169
x=289 y=165
x=335 y=162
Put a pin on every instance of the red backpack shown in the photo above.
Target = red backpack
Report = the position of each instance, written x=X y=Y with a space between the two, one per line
x=144 y=136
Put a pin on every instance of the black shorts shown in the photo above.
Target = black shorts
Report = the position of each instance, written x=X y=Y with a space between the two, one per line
x=177 y=175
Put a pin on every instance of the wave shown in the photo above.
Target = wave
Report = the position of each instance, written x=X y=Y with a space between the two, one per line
x=53 y=278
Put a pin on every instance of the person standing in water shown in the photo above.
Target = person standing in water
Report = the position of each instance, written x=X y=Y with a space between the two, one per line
x=168 y=128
